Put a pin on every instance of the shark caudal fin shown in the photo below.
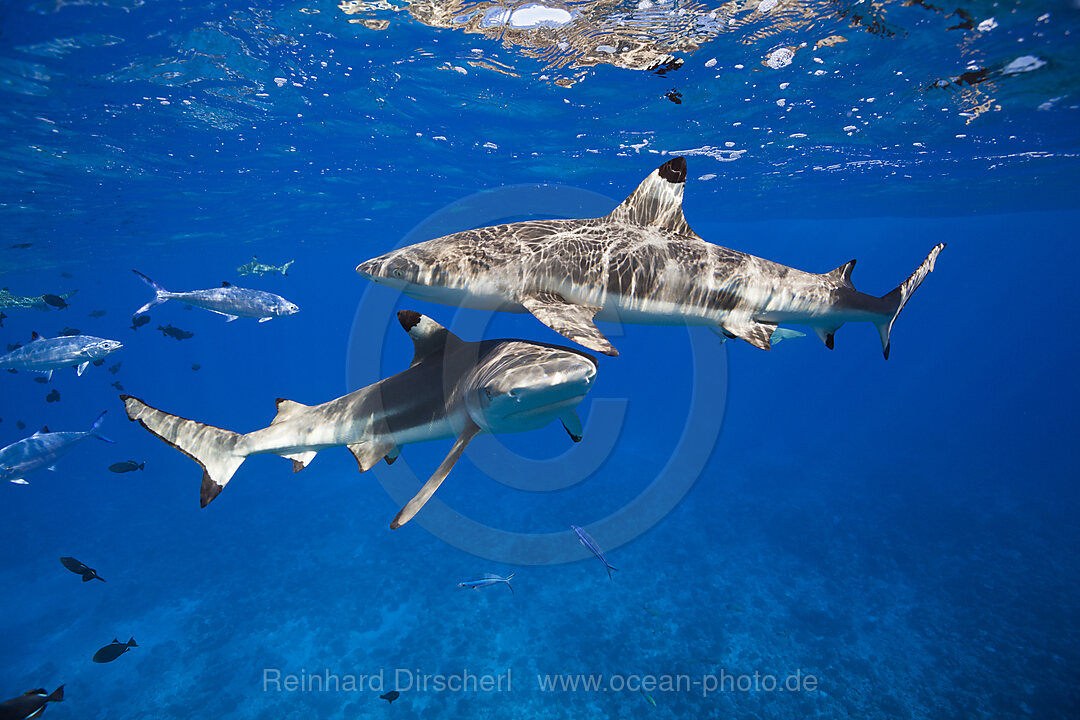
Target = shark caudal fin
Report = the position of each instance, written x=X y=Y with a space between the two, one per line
x=286 y=266
x=657 y=201
x=898 y=298
x=94 y=428
x=211 y=447
x=160 y=296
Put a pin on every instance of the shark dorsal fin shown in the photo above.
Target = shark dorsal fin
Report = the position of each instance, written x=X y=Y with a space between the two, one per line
x=226 y=283
x=842 y=273
x=427 y=335
x=657 y=200
x=286 y=409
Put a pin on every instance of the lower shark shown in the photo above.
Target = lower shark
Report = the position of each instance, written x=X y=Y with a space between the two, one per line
x=452 y=389
x=41 y=450
x=640 y=264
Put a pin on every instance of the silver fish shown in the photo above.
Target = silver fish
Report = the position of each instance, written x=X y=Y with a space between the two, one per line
x=41 y=450
x=43 y=355
x=487 y=579
x=228 y=300
x=452 y=389
x=588 y=542
x=257 y=268
x=643 y=264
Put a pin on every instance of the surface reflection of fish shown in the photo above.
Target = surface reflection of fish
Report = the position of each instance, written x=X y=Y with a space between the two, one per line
x=390 y=696
x=30 y=704
x=138 y=321
x=79 y=568
x=53 y=396
x=126 y=466
x=55 y=300
x=113 y=650
x=257 y=268
x=175 y=332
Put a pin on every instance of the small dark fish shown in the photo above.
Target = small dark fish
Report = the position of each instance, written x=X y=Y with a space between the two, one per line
x=390 y=696
x=68 y=332
x=78 y=568
x=2 y=316
x=97 y=313
x=53 y=396
x=196 y=366
x=126 y=466
x=138 y=322
x=66 y=275
x=113 y=650
x=115 y=368
x=13 y=346
x=588 y=542
x=118 y=386
x=21 y=246
x=175 y=332
x=55 y=300
x=674 y=96
x=30 y=704
x=20 y=424
x=41 y=379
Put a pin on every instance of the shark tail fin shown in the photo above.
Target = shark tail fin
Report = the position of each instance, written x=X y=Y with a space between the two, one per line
x=97 y=424
x=286 y=266
x=213 y=448
x=57 y=695
x=160 y=296
x=898 y=298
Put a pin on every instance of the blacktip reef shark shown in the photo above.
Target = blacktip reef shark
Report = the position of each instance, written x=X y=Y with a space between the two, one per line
x=43 y=355
x=257 y=268
x=453 y=388
x=640 y=264
x=228 y=300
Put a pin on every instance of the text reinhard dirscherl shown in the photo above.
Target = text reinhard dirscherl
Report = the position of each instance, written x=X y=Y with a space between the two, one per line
x=415 y=680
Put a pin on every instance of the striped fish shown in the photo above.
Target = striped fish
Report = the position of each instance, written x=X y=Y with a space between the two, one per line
x=588 y=542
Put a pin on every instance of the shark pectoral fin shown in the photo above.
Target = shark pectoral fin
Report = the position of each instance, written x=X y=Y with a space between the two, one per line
x=758 y=334
x=230 y=318
x=571 y=321
x=780 y=334
x=421 y=498
x=572 y=423
x=300 y=460
x=82 y=366
x=265 y=319
x=368 y=454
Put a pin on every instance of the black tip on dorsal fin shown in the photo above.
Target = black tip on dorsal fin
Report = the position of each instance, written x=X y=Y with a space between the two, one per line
x=674 y=170
x=657 y=201
x=408 y=319
x=34 y=335
x=226 y=283
x=427 y=335
x=44 y=428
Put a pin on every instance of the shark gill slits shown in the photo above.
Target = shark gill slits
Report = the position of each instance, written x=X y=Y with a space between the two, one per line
x=674 y=170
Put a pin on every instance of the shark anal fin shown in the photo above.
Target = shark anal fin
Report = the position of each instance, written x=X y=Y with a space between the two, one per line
x=420 y=499
x=574 y=322
x=572 y=423
x=758 y=334
x=300 y=460
x=826 y=335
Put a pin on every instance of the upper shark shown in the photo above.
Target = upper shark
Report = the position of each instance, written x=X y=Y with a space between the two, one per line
x=452 y=389
x=640 y=264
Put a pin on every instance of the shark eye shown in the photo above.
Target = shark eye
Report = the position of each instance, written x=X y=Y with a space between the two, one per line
x=399 y=273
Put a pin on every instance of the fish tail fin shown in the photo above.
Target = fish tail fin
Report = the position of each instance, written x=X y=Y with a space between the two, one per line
x=132 y=643
x=94 y=428
x=286 y=266
x=98 y=577
x=57 y=695
x=213 y=448
x=160 y=294
x=508 y=579
x=897 y=299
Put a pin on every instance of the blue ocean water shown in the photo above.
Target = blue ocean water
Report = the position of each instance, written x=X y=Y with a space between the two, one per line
x=903 y=532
